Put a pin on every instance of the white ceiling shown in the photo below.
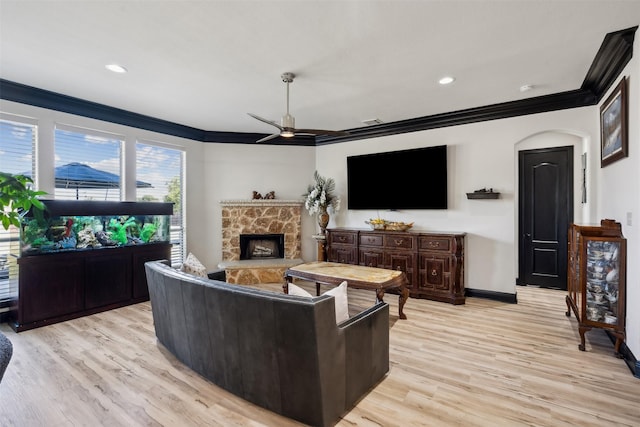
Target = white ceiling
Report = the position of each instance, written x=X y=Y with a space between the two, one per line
x=206 y=64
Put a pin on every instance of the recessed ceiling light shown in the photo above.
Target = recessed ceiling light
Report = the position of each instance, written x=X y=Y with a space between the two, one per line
x=446 y=80
x=116 y=68
x=526 y=88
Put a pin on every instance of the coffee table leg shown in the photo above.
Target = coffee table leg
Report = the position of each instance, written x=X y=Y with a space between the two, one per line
x=404 y=295
x=285 y=286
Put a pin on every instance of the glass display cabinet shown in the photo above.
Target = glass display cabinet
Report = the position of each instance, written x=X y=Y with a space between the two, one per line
x=596 y=279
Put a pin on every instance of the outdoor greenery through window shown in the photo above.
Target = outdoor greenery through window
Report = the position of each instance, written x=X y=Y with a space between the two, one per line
x=163 y=169
x=88 y=164
x=17 y=145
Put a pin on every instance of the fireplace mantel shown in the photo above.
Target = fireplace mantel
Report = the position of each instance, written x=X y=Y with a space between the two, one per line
x=261 y=202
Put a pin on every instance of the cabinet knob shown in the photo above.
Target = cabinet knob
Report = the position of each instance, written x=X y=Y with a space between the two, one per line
x=434 y=272
x=342 y=238
x=434 y=244
x=399 y=242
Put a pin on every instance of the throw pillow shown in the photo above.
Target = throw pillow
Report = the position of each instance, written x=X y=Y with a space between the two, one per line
x=193 y=266
x=298 y=291
x=342 y=304
x=339 y=295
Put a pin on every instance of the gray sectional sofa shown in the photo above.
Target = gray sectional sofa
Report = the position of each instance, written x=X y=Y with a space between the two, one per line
x=282 y=352
x=6 y=351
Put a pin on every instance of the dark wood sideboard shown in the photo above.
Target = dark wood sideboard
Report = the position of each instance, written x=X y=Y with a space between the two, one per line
x=432 y=262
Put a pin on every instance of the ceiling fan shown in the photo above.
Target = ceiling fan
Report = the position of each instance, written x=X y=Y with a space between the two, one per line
x=287 y=126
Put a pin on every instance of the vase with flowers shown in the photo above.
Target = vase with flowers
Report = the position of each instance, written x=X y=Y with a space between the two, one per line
x=320 y=197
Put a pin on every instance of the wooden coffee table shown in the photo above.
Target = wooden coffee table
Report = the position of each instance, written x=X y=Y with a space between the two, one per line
x=357 y=276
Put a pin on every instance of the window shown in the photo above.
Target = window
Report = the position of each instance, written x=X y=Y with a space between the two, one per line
x=162 y=169
x=17 y=147
x=88 y=164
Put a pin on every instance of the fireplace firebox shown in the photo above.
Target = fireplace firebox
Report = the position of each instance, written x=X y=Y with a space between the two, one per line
x=261 y=246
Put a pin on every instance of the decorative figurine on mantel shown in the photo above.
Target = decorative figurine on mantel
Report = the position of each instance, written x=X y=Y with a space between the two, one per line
x=319 y=198
x=269 y=196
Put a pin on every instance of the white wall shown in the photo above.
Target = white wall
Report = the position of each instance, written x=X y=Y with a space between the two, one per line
x=618 y=185
x=234 y=171
x=479 y=155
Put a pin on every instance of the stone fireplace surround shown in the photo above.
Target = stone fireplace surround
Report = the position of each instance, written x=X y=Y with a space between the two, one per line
x=271 y=216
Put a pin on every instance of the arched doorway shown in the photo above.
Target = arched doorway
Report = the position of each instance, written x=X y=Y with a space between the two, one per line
x=549 y=177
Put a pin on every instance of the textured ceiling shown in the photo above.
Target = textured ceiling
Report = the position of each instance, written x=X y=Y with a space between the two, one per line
x=206 y=64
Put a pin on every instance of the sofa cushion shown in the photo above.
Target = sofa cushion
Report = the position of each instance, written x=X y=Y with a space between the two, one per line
x=339 y=294
x=193 y=266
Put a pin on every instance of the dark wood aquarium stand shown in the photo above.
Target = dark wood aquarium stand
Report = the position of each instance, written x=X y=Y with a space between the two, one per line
x=596 y=279
x=58 y=286
x=432 y=262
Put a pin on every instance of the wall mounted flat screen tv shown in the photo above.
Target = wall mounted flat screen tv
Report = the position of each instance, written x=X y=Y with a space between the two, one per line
x=406 y=179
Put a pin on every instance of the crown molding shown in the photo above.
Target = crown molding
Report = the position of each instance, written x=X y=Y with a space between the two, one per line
x=559 y=101
x=614 y=54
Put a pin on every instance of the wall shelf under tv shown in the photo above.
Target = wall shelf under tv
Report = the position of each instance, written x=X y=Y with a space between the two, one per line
x=483 y=195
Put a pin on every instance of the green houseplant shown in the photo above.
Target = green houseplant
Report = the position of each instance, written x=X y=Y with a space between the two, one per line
x=16 y=198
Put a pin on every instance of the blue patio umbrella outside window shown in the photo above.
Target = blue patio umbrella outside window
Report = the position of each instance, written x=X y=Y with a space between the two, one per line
x=78 y=175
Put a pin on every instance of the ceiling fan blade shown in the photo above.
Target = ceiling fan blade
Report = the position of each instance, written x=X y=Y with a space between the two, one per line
x=321 y=132
x=266 y=138
x=269 y=122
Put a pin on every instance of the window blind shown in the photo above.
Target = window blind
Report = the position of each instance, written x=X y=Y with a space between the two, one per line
x=163 y=168
x=17 y=147
x=88 y=164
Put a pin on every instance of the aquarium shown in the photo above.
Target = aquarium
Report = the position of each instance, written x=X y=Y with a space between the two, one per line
x=87 y=225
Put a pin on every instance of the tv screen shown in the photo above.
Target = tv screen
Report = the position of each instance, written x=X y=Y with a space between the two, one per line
x=407 y=179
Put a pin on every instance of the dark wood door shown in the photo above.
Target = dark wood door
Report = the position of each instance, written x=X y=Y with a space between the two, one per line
x=546 y=210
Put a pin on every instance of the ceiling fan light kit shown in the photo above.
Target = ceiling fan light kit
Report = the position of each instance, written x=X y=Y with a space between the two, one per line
x=287 y=126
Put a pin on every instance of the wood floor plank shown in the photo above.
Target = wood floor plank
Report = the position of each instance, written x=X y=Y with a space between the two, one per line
x=485 y=363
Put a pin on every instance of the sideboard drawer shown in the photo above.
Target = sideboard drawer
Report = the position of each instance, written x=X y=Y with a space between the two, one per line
x=343 y=238
x=400 y=241
x=370 y=239
x=432 y=243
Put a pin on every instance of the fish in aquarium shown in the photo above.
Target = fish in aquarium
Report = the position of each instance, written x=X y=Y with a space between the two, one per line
x=64 y=233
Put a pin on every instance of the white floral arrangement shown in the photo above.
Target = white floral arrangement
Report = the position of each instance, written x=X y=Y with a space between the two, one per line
x=319 y=196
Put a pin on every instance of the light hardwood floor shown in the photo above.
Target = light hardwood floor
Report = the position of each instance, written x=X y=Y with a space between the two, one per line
x=485 y=363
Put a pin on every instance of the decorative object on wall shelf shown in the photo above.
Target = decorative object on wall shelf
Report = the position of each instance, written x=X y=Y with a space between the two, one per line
x=483 y=193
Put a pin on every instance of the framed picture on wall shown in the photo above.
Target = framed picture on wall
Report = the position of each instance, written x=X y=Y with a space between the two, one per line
x=613 y=126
